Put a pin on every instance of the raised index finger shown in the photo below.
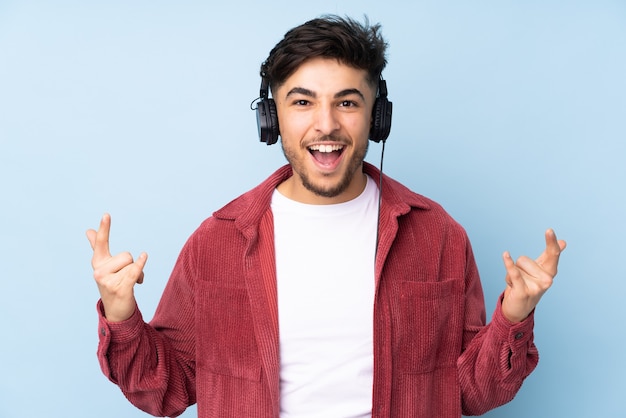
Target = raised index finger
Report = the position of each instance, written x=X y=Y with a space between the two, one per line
x=100 y=242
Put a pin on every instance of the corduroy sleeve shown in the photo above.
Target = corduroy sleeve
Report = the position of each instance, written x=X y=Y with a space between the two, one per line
x=496 y=357
x=153 y=364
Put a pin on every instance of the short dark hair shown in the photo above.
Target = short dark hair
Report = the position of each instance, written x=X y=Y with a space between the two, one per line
x=354 y=44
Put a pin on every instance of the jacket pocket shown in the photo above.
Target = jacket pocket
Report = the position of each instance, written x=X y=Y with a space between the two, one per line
x=429 y=325
x=226 y=343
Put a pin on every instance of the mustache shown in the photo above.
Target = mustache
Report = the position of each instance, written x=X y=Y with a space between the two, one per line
x=330 y=138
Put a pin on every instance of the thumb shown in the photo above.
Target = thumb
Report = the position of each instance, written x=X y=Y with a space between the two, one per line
x=141 y=263
x=91 y=237
x=513 y=274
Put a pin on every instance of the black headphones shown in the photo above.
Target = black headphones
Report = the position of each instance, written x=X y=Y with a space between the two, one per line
x=267 y=118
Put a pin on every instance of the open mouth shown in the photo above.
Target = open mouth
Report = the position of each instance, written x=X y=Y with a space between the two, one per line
x=326 y=154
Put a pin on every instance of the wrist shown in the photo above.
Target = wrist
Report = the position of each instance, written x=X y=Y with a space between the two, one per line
x=118 y=312
x=511 y=313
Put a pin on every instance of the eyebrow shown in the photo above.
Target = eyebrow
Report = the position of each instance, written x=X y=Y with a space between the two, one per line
x=338 y=95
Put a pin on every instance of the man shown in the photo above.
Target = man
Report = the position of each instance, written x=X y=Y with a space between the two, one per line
x=310 y=297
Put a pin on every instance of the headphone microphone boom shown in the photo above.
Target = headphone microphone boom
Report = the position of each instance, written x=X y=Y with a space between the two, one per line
x=267 y=118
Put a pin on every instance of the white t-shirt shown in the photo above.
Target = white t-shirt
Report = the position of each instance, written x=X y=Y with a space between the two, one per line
x=325 y=278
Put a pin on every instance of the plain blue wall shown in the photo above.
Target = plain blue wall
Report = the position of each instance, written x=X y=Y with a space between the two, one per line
x=512 y=114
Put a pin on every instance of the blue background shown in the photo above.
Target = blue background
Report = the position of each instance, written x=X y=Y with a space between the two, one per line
x=512 y=114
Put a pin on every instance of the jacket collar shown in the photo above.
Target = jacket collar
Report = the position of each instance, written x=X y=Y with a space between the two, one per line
x=247 y=209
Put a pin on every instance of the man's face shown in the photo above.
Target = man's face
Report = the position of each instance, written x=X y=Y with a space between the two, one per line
x=324 y=111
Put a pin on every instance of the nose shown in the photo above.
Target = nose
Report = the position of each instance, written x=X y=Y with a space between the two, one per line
x=326 y=120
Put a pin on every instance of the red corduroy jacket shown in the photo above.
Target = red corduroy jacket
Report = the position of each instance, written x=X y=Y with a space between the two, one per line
x=214 y=338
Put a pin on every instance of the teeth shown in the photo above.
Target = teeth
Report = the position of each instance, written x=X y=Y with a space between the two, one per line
x=325 y=148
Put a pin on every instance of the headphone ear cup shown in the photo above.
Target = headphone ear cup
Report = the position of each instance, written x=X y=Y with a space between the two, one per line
x=267 y=121
x=381 y=119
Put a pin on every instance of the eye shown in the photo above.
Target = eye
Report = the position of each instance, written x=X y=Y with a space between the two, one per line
x=348 y=103
x=301 y=102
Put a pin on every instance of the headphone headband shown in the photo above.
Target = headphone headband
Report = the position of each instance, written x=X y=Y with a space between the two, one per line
x=265 y=86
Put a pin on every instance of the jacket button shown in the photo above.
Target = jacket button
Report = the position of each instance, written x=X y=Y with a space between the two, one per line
x=519 y=335
x=103 y=331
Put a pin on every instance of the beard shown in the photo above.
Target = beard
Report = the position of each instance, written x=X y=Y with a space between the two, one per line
x=333 y=190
